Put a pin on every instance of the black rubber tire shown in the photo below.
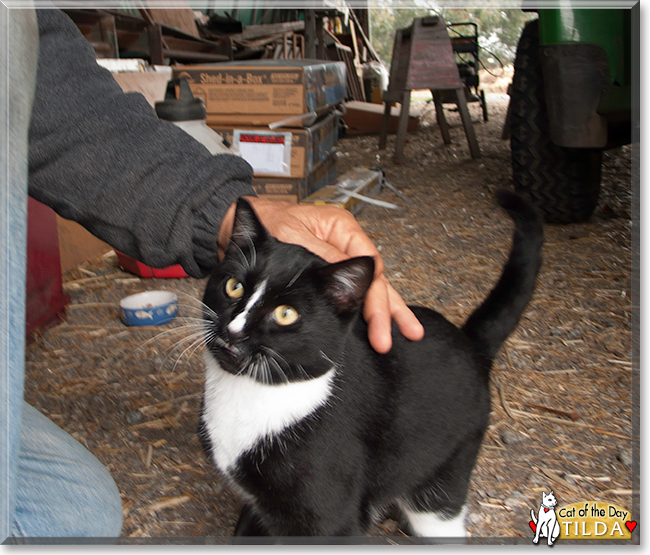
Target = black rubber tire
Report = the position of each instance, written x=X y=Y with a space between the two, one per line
x=564 y=183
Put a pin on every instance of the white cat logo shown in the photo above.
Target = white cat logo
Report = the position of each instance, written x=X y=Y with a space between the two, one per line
x=546 y=524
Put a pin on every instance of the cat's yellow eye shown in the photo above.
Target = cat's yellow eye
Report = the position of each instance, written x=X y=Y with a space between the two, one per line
x=285 y=315
x=234 y=288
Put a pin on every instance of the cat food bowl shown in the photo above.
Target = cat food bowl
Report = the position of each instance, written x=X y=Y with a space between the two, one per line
x=151 y=308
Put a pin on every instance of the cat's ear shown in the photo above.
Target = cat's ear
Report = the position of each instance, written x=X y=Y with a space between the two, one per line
x=247 y=227
x=348 y=282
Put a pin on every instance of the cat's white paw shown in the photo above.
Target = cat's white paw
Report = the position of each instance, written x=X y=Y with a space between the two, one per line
x=434 y=525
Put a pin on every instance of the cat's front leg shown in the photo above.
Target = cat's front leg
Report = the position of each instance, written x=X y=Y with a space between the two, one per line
x=554 y=532
x=249 y=523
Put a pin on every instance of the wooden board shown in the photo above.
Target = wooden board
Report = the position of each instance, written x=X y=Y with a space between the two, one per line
x=152 y=84
x=364 y=118
x=432 y=64
x=181 y=18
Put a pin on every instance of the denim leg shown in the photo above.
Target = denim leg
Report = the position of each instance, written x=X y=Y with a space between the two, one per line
x=18 y=61
x=63 y=490
x=50 y=485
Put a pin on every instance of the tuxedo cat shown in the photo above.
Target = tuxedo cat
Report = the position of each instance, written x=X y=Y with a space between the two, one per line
x=315 y=430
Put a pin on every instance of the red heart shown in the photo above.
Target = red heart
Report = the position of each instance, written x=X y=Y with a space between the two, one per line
x=534 y=526
x=546 y=510
x=631 y=525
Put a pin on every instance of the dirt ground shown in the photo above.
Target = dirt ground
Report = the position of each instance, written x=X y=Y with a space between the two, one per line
x=563 y=386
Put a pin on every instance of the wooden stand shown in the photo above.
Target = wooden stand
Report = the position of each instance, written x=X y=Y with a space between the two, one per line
x=423 y=58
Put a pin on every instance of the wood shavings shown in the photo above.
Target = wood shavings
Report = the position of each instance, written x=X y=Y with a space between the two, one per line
x=168 y=503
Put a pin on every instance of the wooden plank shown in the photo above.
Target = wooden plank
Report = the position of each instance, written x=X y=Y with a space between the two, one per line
x=365 y=118
x=400 y=140
x=257 y=31
x=399 y=66
x=432 y=63
x=440 y=117
x=474 y=149
x=181 y=18
x=151 y=84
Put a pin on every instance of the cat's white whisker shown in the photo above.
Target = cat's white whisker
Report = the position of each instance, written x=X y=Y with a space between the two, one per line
x=212 y=337
x=277 y=358
x=259 y=370
x=194 y=319
x=328 y=359
x=243 y=256
x=302 y=372
x=245 y=367
x=251 y=244
x=195 y=304
x=194 y=339
x=245 y=234
x=268 y=377
x=251 y=370
x=198 y=345
x=280 y=372
x=204 y=312
x=298 y=274
x=177 y=330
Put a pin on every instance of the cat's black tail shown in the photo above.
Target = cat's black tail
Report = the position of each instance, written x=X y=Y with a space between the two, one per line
x=492 y=322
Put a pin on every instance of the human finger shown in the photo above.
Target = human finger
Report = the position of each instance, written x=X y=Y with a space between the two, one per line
x=376 y=312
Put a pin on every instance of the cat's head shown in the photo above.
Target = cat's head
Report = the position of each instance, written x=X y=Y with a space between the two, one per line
x=549 y=500
x=275 y=311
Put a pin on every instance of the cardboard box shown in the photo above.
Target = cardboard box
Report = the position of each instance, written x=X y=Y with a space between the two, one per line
x=299 y=155
x=361 y=181
x=259 y=92
x=294 y=189
x=77 y=244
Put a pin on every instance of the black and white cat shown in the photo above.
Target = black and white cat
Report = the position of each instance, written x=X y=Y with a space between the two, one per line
x=317 y=431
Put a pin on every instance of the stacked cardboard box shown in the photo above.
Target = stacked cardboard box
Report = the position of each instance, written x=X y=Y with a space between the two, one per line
x=280 y=115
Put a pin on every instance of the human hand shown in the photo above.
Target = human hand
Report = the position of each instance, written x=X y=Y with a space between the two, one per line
x=334 y=234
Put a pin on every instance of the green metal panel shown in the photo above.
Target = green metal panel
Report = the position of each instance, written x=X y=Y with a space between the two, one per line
x=607 y=28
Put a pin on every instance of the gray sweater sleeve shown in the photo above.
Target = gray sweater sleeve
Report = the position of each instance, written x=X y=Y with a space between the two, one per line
x=102 y=157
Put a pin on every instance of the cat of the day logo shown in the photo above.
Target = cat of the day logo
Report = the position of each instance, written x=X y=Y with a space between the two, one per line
x=591 y=520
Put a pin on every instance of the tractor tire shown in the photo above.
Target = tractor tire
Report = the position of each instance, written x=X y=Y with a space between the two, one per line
x=564 y=183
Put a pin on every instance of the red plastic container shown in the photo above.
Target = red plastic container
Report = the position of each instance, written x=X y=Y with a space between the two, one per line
x=45 y=301
x=139 y=269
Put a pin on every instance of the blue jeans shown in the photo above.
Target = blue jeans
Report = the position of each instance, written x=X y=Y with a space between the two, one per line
x=50 y=485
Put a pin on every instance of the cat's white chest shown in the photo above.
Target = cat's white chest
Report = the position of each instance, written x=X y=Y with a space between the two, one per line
x=239 y=411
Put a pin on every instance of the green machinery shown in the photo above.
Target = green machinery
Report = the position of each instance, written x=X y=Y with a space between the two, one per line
x=571 y=98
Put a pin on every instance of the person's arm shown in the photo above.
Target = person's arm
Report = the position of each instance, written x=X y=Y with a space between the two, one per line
x=103 y=158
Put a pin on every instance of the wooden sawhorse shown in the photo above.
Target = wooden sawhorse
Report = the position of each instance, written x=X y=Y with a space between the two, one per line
x=423 y=58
